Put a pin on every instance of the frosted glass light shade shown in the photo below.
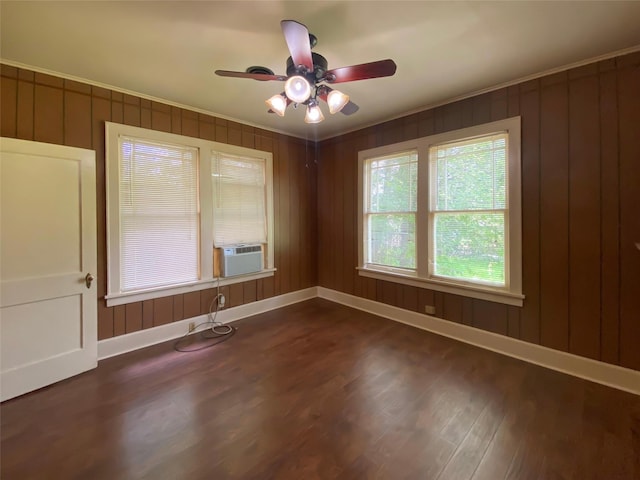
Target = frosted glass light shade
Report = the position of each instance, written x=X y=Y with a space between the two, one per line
x=336 y=101
x=277 y=103
x=297 y=89
x=314 y=114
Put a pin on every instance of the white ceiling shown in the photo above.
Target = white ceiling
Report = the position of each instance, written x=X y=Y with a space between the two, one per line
x=444 y=50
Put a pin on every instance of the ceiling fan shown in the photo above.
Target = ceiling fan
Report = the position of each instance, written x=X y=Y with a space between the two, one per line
x=308 y=75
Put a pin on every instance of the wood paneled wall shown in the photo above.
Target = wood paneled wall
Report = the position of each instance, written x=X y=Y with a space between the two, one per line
x=580 y=211
x=49 y=109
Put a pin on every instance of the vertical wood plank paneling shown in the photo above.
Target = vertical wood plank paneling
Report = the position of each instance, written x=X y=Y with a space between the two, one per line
x=349 y=215
x=162 y=311
x=467 y=311
x=145 y=116
x=425 y=298
x=50 y=80
x=100 y=113
x=438 y=300
x=260 y=289
x=554 y=213
x=160 y=117
x=206 y=127
x=513 y=319
x=73 y=113
x=296 y=184
x=24 y=114
x=236 y=295
x=610 y=215
x=529 y=106
x=268 y=287
x=207 y=297
x=189 y=124
x=482 y=108
x=387 y=291
x=452 y=308
x=77 y=119
x=234 y=133
x=48 y=116
x=117 y=111
x=8 y=106
x=105 y=321
x=553 y=198
x=191 y=305
x=178 y=307
x=221 y=130
x=284 y=211
x=452 y=116
x=584 y=216
x=467 y=112
x=119 y=322
x=629 y=128
x=248 y=136
x=131 y=112
x=410 y=298
x=133 y=317
x=499 y=104
x=249 y=291
x=305 y=217
x=490 y=316
x=176 y=120
x=147 y=314
x=277 y=217
x=324 y=179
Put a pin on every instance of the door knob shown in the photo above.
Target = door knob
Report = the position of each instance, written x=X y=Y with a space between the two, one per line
x=89 y=280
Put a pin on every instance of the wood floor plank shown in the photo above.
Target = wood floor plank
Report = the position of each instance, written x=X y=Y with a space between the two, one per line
x=316 y=390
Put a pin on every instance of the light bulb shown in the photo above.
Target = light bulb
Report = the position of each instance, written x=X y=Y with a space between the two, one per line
x=297 y=89
x=277 y=103
x=314 y=114
x=336 y=101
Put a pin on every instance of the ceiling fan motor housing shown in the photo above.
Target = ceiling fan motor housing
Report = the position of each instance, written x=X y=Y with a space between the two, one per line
x=320 y=66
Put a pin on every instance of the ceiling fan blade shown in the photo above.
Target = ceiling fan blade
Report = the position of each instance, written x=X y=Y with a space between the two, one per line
x=297 y=38
x=255 y=76
x=381 y=68
x=349 y=109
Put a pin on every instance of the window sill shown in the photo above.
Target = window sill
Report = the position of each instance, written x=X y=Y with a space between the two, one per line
x=138 y=296
x=478 y=292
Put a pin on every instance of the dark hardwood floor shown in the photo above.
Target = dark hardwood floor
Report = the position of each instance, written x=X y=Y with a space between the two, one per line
x=318 y=390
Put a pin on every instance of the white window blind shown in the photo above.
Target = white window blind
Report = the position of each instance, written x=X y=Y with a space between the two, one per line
x=390 y=212
x=469 y=209
x=159 y=214
x=239 y=199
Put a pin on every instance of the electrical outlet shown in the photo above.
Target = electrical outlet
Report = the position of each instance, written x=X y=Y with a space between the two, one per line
x=222 y=300
x=192 y=326
x=429 y=309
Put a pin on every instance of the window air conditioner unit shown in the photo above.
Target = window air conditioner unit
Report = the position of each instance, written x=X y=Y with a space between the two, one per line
x=241 y=259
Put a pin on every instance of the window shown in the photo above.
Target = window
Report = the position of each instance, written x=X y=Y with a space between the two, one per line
x=443 y=212
x=391 y=210
x=239 y=193
x=170 y=201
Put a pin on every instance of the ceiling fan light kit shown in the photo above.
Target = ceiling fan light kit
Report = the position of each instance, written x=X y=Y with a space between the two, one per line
x=314 y=114
x=297 y=89
x=278 y=103
x=336 y=101
x=306 y=74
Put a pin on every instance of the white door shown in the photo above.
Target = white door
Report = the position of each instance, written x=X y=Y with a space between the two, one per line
x=48 y=312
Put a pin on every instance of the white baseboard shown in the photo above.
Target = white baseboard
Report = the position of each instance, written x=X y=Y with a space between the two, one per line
x=133 y=341
x=593 y=370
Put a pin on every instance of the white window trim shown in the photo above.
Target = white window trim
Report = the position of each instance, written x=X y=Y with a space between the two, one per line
x=205 y=149
x=511 y=294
